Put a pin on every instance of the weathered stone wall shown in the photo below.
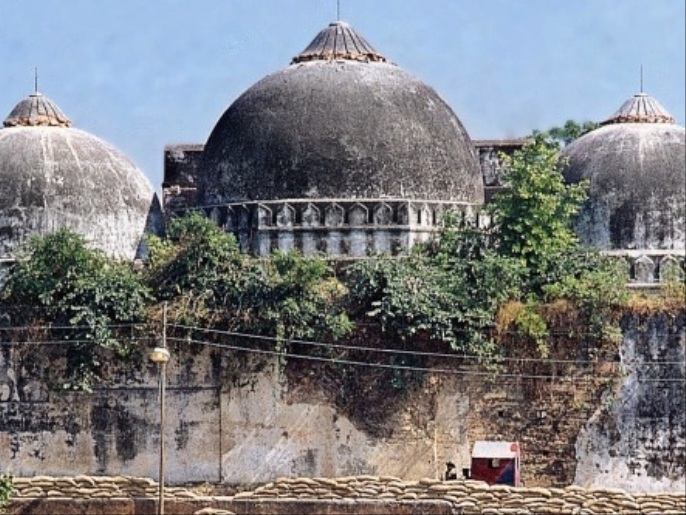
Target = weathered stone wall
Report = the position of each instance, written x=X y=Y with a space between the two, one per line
x=343 y=495
x=114 y=430
x=637 y=437
x=258 y=425
x=181 y=170
x=490 y=154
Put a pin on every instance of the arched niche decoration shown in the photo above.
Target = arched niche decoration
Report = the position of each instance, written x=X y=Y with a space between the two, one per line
x=264 y=216
x=383 y=214
x=644 y=270
x=358 y=215
x=285 y=216
x=311 y=216
x=334 y=216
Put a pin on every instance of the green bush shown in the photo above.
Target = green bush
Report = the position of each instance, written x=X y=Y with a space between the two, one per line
x=81 y=294
x=201 y=270
x=6 y=490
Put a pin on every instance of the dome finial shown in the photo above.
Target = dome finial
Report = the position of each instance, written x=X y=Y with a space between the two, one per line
x=641 y=78
x=338 y=10
x=35 y=80
x=641 y=108
x=339 y=41
x=36 y=110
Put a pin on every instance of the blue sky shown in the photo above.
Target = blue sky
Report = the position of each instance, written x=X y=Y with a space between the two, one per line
x=145 y=73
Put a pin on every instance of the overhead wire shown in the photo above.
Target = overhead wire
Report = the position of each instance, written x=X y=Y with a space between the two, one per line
x=381 y=350
x=400 y=351
x=70 y=342
x=74 y=327
x=338 y=361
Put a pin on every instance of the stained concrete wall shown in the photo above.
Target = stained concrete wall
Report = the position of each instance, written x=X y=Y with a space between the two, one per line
x=221 y=430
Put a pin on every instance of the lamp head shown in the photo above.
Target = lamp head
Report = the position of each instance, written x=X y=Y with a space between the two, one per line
x=159 y=355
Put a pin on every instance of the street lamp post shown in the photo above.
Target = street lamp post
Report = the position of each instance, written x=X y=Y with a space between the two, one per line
x=160 y=356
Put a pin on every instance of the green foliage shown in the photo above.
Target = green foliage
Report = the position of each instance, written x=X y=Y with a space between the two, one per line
x=449 y=291
x=570 y=131
x=478 y=278
x=201 y=269
x=476 y=271
x=405 y=296
x=530 y=323
x=597 y=286
x=303 y=300
x=532 y=216
x=192 y=259
x=81 y=293
x=6 y=490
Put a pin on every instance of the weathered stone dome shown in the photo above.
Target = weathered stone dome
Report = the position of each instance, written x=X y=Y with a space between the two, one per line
x=54 y=176
x=339 y=122
x=636 y=165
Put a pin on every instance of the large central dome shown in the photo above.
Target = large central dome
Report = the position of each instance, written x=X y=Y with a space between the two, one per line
x=339 y=122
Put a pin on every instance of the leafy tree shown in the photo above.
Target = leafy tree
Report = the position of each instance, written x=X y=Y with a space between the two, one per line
x=192 y=257
x=532 y=215
x=81 y=293
x=407 y=296
x=200 y=269
x=480 y=278
x=532 y=221
x=570 y=131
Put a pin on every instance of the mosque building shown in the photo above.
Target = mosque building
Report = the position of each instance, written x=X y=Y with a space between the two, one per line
x=55 y=176
x=341 y=153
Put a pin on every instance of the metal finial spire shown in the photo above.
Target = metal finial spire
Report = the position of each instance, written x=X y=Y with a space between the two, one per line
x=641 y=78
x=338 y=10
x=35 y=79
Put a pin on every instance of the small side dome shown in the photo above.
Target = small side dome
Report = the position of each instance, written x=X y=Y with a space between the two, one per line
x=340 y=122
x=636 y=165
x=55 y=176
